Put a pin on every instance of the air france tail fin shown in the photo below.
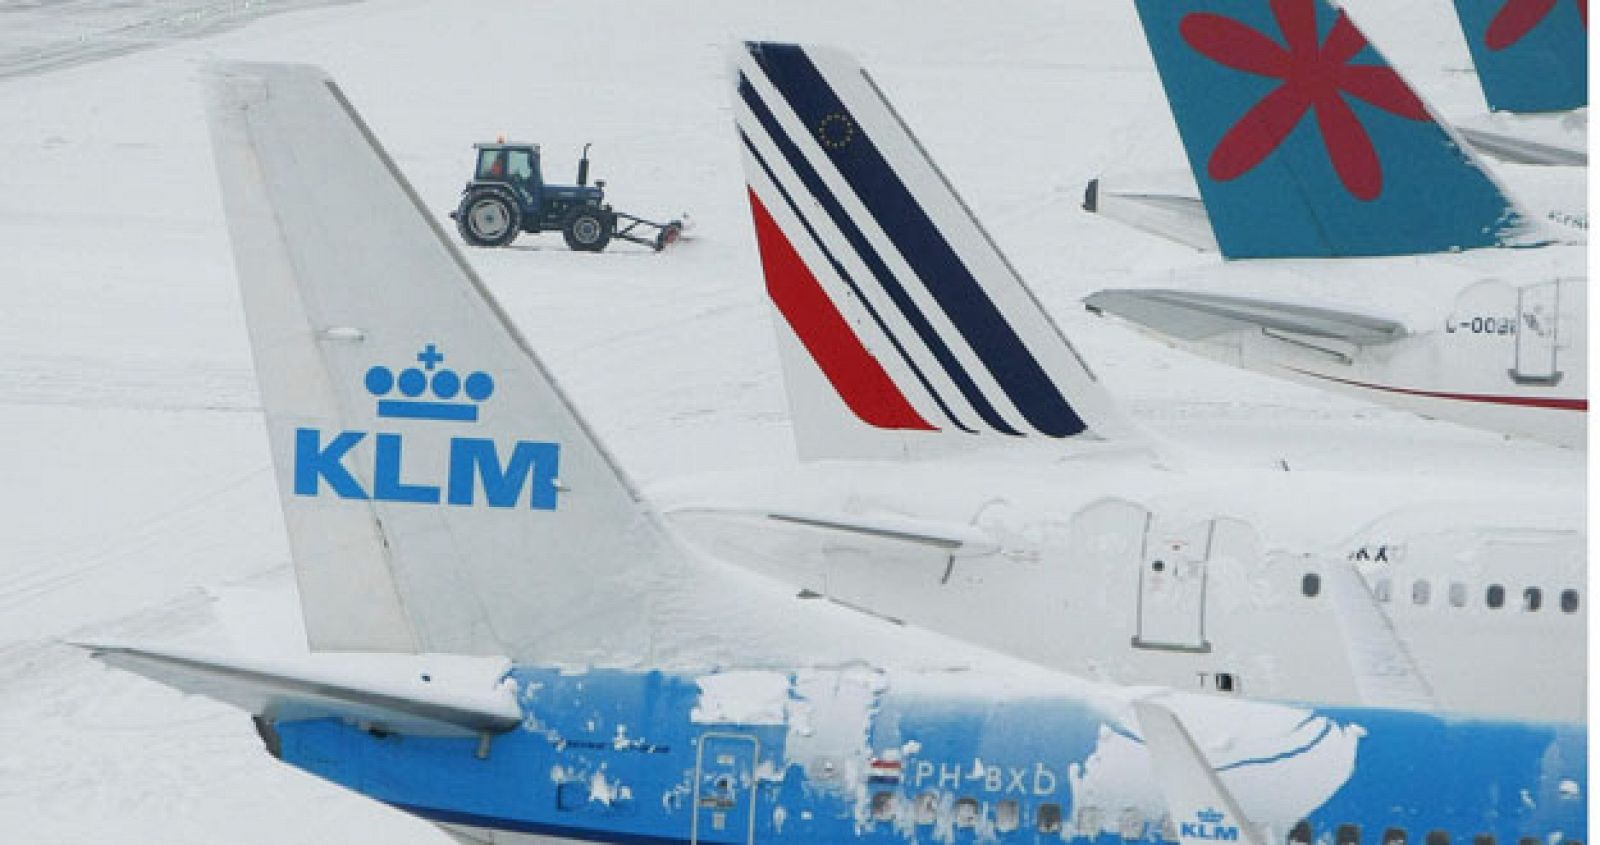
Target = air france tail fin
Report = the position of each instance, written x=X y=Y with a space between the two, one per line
x=440 y=492
x=1531 y=55
x=1306 y=143
x=904 y=331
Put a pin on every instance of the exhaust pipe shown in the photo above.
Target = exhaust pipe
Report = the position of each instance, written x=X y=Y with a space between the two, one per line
x=583 y=166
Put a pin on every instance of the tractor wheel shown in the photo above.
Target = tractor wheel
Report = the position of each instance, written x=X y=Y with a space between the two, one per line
x=488 y=218
x=588 y=230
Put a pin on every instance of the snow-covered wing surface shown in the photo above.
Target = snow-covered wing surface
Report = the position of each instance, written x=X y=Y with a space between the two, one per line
x=429 y=695
x=1177 y=217
x=1202 y=809
x=1531 y=55
x=1306 y=143
x=903 y=329
x=1517 y=149
x=440 y=492
x=1197 y=316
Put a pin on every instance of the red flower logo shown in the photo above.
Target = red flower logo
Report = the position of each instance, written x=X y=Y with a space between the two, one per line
x=1518 y=17
x=1316 y=77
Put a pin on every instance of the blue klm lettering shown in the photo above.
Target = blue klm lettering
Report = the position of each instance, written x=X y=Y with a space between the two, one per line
x=474 y=462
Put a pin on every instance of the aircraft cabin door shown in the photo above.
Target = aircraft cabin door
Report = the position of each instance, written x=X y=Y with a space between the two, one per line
x=1538 y=310
x=1172 y=588
x=725 y=789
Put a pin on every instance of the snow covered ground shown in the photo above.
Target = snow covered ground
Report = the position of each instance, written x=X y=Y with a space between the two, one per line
x=135 y=495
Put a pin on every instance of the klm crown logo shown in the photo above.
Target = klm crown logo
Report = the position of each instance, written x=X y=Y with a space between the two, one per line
x=474 y=463
x=1208 y=825
x=444 y=385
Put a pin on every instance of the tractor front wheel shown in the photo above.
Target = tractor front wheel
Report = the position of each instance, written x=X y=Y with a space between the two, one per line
x=588 y=229
x=488 y=218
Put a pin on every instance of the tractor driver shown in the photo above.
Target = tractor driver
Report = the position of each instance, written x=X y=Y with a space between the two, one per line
x=497 y=166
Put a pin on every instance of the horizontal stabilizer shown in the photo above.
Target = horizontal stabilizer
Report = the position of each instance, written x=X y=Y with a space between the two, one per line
x=952 y=538
x=1202 y=809
x=1515 y=149
x=428 y=695
x=1176 y=217
x=1197 y=316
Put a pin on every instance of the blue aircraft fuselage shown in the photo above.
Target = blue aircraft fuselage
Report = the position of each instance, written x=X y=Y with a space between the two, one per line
x=621 y=756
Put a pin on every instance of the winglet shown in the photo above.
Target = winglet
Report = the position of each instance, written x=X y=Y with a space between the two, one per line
x=1202 y=809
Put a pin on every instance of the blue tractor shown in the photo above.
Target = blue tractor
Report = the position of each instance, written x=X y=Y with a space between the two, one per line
x=508 y=195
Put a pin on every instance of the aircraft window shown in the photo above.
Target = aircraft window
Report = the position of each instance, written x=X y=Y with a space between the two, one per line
x=1311 y=585
x=1495 y=597
x=1007 y=816
x=1225 y=682
x=1420 y=592
x=1131 y=825
x=1300 y=834
x=927 y=807
x=1348 y=834
x=1438 y=837
x=1458 y=594
x=1532 y=599
x=1049 y=818
x=883 y=806
x=967 y=812
x=1483 y=839
x=1089 y=820
x=1382 y=589
x=1569 y=601
x=1394 y=836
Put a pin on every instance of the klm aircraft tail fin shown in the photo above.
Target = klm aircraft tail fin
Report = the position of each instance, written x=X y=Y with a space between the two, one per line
x=440 y=492
x=1191 y=788
x=1531 y=55
x=1306 y=143
x=903 y=329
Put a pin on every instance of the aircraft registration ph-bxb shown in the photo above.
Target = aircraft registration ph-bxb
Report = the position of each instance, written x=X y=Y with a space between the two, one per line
x=463 y=544
x=968 y=474
x=1385 y=260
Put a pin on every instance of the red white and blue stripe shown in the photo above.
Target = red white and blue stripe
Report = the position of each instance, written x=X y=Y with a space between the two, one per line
x=897 y=294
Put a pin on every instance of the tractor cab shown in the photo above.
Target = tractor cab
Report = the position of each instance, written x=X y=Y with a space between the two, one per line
x=508 y=195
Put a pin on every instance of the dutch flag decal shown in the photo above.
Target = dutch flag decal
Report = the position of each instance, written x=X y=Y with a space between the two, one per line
x=898 y=296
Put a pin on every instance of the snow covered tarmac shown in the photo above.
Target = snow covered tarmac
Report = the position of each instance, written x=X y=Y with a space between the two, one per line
x=136 y=496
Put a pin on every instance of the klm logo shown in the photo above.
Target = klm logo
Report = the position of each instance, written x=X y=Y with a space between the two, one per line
x=475 y=463
x=1208 y=824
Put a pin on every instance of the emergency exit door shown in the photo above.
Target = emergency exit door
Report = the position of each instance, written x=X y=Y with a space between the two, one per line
x=1172 y=588
x=725 y=789
x=1538 y=316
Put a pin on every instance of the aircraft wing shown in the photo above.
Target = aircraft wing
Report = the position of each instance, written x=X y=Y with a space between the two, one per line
x=1197 y=316
x=427 y=695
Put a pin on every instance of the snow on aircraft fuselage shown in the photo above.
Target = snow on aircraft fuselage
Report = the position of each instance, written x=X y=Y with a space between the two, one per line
x=966 y=472
x=1369 y=253
x=464 y=547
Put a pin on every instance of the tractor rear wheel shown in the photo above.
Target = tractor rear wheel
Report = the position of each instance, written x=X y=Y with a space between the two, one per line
x=588 y=229
x=488 y=218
